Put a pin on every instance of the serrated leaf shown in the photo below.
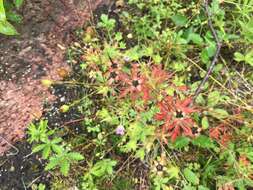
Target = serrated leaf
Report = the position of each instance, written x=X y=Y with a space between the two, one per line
x=53 y=162
x=38 y=148
x=7 y=29
x=205 y=123
x=75 y=156
x=213 y=98
x=65 y=165
x=203 y=142
x=56 y=140
x=57 y=149
x=46 y=151
x=218 y=113
x=181 y=142
x=191 y=176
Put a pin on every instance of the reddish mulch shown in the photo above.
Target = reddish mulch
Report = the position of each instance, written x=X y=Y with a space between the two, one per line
x=37 y=53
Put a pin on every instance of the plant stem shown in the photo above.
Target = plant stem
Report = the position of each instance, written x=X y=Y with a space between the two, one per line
x=215 y=58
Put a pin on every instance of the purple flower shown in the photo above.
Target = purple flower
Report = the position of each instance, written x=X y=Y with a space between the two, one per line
x=120 y=130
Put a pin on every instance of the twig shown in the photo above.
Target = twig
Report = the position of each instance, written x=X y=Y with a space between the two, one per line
x=215 y=58
x=33 y=181
x=16 y=149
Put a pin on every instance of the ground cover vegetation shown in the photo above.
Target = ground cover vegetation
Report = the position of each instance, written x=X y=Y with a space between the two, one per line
x=167 y=101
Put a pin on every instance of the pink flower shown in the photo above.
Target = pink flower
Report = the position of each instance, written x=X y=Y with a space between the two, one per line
x=120 y=130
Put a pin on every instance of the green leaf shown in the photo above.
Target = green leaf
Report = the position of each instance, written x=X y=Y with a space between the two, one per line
x=195 y=38
x=181 y=142
x=7 y=29
x=205 y=123
x=11 y=16
x=218 y=113
x=201 y=187
x=211 y=50
x=191 y=176
x=103 y=167
x=238 y=57
x=203 y=142
x=38 y=148
x=173 y=172
x=46 y=151
x=41 y=187
x=2 y=12
x=75 y=156
x=53 y=162
x=56 y=140
x=18 y=3
x=179 y=19
x=189 y=187
x=57 y=149
x=65 y=165
x=213 y=98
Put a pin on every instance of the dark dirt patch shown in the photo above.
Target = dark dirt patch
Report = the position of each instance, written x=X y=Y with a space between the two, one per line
x=39 y=52
x=20 y=171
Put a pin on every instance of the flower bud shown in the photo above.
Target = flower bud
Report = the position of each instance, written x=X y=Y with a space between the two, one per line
x=46 y=82
x=64 y=108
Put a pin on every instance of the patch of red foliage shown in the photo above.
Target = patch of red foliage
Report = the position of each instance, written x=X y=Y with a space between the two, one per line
x=175 y=114
x=221 y=133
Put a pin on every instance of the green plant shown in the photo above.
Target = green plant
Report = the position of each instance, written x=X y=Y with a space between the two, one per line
x=57 y=154
x=247 y=58
x=160 y=99
x=103 y=168
x=63 y=160
x=39 y=132
x=48 y=146
x=5 y=26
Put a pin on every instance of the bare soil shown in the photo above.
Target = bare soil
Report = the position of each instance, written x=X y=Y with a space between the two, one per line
x=37 y=53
